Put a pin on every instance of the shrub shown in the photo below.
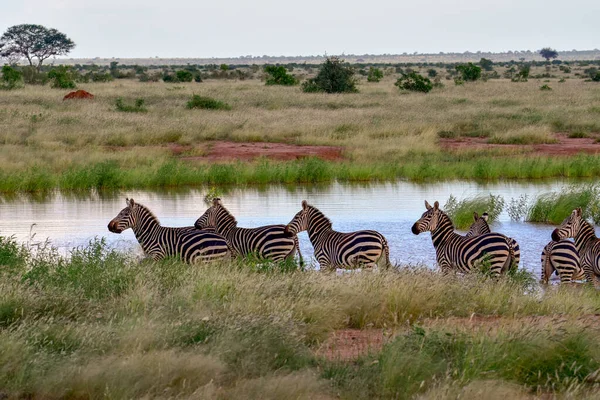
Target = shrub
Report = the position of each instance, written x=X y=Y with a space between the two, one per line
x=545 y=87
x=138 y=107
x=414 y=82
x=461 y=212
x=523 y=74
x=198 y=78
x=11 y=78
x=278 y=76
x=432 y=73
x=62 y=78
x=334 y=76
x=469 y=71
x=101 y=77
x=375 y=75
x=32 y=76
x=207 y=103
x=596 y=78
x=486 y=64
x=184 y=76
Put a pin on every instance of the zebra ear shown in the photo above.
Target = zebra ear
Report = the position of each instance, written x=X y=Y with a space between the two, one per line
x=427 y=205
x=130 y=202
x=475 y=216
x=485 y=216
x=216 y=201
x=578 y=211
x=304 y=204
x=436 y=205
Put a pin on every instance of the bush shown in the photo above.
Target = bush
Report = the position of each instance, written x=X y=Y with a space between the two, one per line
x=138 y=107
x=461 y=212
x=486 y=64
x=375 y=75
x=596 y=78
x=207 y=103
x=334 y=77
x=545 y=87
x=101 y=77
x=184 y=76
x=432 y=73
x=31 y=76
x=414 y=82
x=278 y=76
x=523 y=74
x=62 y=78
x=11 y=78
x=469 y=71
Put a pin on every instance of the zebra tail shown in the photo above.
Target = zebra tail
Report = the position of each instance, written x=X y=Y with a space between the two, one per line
x=511 y=254
x=547 y=268
x=297 y=244
x=386 y=250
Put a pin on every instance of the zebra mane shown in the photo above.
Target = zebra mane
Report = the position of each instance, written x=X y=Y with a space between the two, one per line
x=446 y=217
x=318 y=212
x=228 y=214
x=147 y=211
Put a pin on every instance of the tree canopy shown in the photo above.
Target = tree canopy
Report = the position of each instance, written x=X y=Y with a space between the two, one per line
x=548 y=53
x=34 y=42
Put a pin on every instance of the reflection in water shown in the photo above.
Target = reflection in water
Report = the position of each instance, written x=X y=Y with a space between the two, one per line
x=74 y=218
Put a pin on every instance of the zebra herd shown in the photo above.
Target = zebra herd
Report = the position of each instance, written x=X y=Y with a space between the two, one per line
x=215 y=236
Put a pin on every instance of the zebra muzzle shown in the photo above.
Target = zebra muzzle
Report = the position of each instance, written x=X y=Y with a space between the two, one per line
x=112 y=227
x=415 y=229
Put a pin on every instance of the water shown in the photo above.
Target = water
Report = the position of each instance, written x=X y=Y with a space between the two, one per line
x=390 y=208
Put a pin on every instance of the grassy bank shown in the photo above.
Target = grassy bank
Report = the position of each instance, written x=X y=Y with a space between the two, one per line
x=101 y=324
x=47 y=142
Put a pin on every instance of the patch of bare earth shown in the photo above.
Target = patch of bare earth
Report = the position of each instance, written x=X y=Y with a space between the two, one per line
x=565 y=146
x=246 y=151
x=350 y=344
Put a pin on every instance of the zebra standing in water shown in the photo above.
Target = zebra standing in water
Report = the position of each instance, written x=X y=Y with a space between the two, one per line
x=480 y=226
x=586 y=242
x=336 y=249
x=457 y=252
x=188 y=243
x=561 y=257
x=266 y=242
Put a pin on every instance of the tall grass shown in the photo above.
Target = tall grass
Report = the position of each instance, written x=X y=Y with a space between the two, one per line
x=461 y=212
x=554 y=207
x=97 y=323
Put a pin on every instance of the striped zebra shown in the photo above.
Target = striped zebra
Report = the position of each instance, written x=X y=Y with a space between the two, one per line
x=586 y=242
x=455 y=252
x=188 y=243
x=480 y=226
x=266 y=242
x=336 y=249
x=561 y=257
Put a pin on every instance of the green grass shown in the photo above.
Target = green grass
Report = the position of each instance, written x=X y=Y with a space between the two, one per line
x=99 y=323
x=207 y=103
x=461 y=212
x=554 y=207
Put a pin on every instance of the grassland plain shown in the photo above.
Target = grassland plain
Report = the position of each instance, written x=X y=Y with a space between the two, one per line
x=49 y=143
x=100 y=324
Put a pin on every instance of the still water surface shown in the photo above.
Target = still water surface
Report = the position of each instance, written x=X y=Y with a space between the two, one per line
x=390 y=208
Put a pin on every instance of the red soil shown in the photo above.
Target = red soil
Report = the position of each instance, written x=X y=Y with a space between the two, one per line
x=350 y=344
x=79 y=94
x=565 y=147
x=227 y=151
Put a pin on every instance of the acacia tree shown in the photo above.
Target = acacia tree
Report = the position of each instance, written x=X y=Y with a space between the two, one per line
x=34 y=42
x=548 y=53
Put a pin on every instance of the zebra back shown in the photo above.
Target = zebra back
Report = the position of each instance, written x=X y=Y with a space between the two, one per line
x=480 y=226
x=561 y=257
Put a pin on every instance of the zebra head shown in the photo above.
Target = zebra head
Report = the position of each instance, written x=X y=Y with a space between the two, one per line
x=125 y=219
x=479 y=226
x=208 y=220
x=569 y=227
x=429 y=220
x=299 y=223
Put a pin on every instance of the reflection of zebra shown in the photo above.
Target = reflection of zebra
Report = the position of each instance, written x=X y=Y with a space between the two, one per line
x=336 y=249
x=265 y=242
x=188 y=243
x=561 y=257
x=480 y=226
x=459 y=253
x=586 y=242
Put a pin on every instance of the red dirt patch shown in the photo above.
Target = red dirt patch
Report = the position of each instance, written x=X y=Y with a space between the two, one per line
x=79 y=94
x=227 y=151
x=565 y=147
x=350 y=344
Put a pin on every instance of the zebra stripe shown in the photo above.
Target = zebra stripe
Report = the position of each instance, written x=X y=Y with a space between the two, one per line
x=460 y=253
x=265 y=242
x=336 y=249
x=188 y=243
x=586 y=243
x=480 y=226
x=561 y=257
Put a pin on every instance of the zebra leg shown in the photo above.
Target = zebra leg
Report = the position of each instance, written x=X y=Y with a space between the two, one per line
x=296 y=248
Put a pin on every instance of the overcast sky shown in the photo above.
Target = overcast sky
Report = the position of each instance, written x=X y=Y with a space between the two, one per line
x=231 y=28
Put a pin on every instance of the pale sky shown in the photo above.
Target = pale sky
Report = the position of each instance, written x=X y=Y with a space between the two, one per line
x=232 y=28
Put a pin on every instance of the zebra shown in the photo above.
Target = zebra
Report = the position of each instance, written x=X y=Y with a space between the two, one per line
x=158 y=242
x=480 y=226
x=337 y=249
x=561 y=257
x=265 y=242
x=455 y=252
x=586 y=243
